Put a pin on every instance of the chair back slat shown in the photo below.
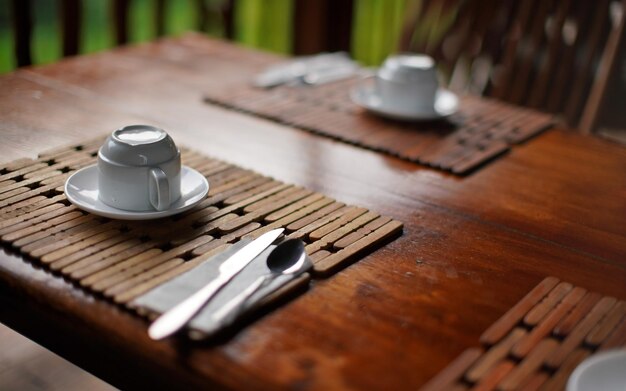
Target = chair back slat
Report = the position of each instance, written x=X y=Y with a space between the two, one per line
x=502 y=80
x=23 y=17
x=616 y=44
x=481 y=44
x=70 y=26
x=573 y=32
x=528 y=53
x=549 y=62
x=589 y=48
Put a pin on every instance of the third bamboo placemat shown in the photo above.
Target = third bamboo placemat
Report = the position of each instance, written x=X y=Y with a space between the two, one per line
x=539 y=342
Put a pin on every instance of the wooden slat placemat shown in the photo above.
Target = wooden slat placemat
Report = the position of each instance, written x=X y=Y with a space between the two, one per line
x=482 y=130
x=539 y=342
x=121 y=260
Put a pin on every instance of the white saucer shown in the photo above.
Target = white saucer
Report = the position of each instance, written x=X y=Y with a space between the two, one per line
x=604 y=371
x=446 y=103
x=82 y=190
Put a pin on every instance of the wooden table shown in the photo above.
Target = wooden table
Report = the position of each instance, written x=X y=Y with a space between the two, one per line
x=472 y=246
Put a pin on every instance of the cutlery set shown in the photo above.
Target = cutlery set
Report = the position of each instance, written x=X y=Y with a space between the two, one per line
x=308 y=70
x=285 y=259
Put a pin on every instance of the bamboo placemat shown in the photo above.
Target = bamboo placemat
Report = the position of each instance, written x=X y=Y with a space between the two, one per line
x=539 y=342
x=121 y=260
x=482 y=130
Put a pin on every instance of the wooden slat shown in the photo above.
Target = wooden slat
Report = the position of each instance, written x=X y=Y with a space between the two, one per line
x=499 y=329
x=38 y=223
x=617 y=337
x=535 y=315
x=490 y=381
x=528 y=366
x=151 y=283
x=605 y=74
x=528 y=54
x=550 y=60
x=339 y=259
x=602 y=330
x=600 y=15
x=571 y=320
x=580 y=331
x=495 y=354
x=447 y=378
x=545 y=326
x=536 y=381
x=308 y=219
x=559 y=379
x=94 y=263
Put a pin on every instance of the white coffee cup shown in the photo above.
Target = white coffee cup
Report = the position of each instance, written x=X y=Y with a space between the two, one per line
x=139 y=169
x=408 y=82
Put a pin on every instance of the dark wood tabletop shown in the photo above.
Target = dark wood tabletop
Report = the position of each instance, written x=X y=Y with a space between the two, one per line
x=472 y=246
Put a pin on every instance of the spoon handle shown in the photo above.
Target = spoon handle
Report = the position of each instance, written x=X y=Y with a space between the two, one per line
x=227 y=312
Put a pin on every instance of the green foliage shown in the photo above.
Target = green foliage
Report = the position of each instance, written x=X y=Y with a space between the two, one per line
x=376 y=29
x=7 y=57
x=46 y=43
x=265 y=24
x=97 y=30
x=141 y=20
x=181 y=16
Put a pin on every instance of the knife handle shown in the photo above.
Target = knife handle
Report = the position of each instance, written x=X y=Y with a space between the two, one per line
x=178 y=316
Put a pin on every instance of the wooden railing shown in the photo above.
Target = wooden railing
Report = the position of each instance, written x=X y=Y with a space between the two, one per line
x=555 y=55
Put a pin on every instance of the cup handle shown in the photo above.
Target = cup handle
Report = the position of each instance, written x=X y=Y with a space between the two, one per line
x=159 y=189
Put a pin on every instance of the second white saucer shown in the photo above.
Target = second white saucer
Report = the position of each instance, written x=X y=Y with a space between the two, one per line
x=446 y=103
x=81 y=189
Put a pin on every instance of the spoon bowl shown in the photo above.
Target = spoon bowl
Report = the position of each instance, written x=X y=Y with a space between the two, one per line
x=288 y=258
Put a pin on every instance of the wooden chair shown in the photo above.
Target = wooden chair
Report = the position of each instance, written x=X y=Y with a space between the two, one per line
x=553 y=55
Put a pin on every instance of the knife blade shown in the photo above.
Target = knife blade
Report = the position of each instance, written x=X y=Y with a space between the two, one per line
x=178 y=316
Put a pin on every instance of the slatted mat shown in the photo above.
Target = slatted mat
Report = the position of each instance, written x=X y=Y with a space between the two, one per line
x=121 y=260
x=481 y=131
x=539 y=342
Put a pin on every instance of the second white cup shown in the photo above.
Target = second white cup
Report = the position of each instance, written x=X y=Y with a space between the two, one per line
x=408 y=82
x=139 y=169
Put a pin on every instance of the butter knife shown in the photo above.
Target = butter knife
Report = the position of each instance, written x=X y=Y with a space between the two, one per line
x=178 y=316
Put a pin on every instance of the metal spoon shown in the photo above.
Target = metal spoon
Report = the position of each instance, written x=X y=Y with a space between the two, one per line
x=287 y=258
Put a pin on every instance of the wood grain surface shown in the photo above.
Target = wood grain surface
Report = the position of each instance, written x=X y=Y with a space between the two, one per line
x=472 y=248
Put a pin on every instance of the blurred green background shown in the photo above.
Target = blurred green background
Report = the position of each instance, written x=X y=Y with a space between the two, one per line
x=266 y=24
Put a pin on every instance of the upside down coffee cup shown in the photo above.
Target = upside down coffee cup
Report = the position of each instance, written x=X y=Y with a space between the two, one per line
x=139 y=169
x=408 y=82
